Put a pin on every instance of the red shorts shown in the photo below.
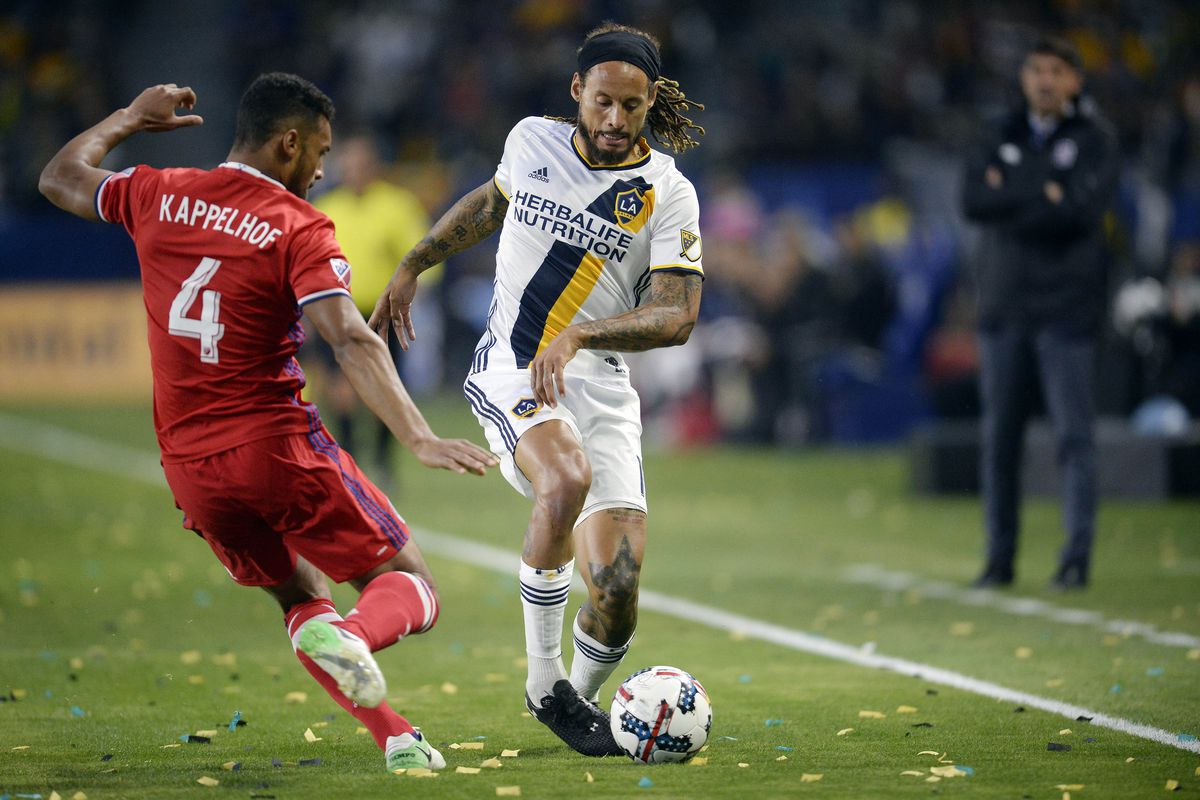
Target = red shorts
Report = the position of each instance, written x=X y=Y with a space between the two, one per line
x=260 y=505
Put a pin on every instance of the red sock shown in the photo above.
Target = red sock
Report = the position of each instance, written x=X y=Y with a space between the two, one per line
x=381 y=721
x=392 y=606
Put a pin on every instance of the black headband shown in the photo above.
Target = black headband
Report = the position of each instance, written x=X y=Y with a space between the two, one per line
x=620 y=46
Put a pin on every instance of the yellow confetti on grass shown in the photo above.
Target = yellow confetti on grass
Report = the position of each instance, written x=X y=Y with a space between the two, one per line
x=844 y=731
x=321 y=724
x=947 y=772
x=491 y=763
x=871 y=715
x=449 y=688
x=1198 y=772
x=906 y=709
x=495 y=677
x=929 y=753
x=508 y=753
x=782 y=758
x=508 y=791
x=1065 y=732
x=1111 y=640
x=467 y=770
x=587 y=776
x=79 y=796
x=209 y=734
x=204 y=780
x=310 y=737
x=76 y=663
x=55 y=795
x=361 y=731
x=932 y=779
x=190 y=657
x=912 y=773
x=195 y=680
x=962 y=628
x=296 y=697
x=809 y=777
x=1193 y=654
x=467 y=746
x=225 y=659
x=1054 y=683
x=23 y=747
x=421 y=772
x=1129 y=760
x=699 y=761
x=19 y=694
x=1024 y=652
x=1069 y=787
x=169 y=746
x=1172 y=785
x=229 y=765
x=743 y=764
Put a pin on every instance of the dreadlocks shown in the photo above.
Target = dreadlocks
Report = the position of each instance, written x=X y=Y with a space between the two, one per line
x=667 y=119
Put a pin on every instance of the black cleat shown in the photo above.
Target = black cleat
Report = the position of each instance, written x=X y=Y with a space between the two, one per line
x=582 y=725
x=1071 y=577
x=994 y=576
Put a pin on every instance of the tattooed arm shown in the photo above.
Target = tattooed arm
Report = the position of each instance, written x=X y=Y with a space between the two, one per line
x=472 y=219
x=665 y=319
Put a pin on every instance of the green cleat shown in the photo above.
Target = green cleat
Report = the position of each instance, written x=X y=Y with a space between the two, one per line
x=410 y=750
x=347 y=660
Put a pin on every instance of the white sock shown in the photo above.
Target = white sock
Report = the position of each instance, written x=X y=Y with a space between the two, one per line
x=593 y=662
x=544 y=601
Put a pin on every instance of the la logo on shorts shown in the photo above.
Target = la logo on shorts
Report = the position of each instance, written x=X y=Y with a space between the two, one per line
x=526 y=408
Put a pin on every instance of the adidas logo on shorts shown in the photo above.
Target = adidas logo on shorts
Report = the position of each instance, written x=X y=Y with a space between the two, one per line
x=542 y=174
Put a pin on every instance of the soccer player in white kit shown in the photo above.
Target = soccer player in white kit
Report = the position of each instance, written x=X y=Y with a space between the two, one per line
x=600 y=254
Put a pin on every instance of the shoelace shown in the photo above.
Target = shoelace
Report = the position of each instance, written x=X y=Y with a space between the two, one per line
x=572 y=708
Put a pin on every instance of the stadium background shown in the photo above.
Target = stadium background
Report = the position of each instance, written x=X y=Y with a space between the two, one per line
x=837 y=311
x=839 y=300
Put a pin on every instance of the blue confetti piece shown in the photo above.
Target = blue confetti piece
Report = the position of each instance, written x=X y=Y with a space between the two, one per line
x=48 y=655
x=457 y=648
x=962 y=768
x=1154 y=672
x=30 y=796
x=784 y=748
x=478 y=738
x=76 y=711
x=202 y=598
x=233 y=723
x=1186 y=737
x=743 y=678
x=1115 y=689
x=48 y=694
x=773 y=723
x=645 y=783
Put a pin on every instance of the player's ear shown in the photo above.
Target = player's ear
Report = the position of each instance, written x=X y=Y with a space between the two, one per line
x=290 y=142
x=653 y=94
x=576 y=87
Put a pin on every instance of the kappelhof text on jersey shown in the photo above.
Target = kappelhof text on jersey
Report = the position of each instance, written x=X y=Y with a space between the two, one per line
x=225 y=219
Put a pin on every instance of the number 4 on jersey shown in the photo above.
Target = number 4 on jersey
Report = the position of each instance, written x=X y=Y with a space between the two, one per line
x=207 y=329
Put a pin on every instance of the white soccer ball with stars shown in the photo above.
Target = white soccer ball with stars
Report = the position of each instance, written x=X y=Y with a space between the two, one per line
x=661 y=715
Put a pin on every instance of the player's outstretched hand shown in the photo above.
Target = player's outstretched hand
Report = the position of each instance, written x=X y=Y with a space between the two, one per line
x=456 y=455
x=155 y=108
x=546 y=377
x=394 y=307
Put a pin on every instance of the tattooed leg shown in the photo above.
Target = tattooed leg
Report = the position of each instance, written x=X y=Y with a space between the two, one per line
x=609 y=546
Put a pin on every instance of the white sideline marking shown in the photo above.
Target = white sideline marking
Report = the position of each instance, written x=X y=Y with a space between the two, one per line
x=897 y=581
x=49 y=442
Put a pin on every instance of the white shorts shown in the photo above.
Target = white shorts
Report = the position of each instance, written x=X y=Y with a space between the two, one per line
x=604 y=415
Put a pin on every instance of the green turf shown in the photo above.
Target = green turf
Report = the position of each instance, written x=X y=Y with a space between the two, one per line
x=102 y=594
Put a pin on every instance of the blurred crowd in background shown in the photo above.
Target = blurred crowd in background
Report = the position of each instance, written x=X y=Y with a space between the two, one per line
x=838 y=305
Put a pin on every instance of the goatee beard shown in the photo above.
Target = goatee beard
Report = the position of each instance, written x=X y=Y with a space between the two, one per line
x=595 y=154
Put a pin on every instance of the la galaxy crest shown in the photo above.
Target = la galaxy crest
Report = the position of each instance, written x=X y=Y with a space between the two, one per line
x=628 y=205
x=526 y=408
x=690 y=244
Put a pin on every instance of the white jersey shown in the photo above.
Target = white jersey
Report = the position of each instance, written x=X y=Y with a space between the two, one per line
x=580 y=242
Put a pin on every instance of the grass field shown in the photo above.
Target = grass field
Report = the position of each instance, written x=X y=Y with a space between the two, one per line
x=120 y=633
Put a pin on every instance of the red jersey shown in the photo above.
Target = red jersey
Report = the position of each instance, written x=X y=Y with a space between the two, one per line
x=228 y=258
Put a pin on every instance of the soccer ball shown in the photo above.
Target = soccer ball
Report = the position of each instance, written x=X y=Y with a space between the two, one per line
x=660 y=715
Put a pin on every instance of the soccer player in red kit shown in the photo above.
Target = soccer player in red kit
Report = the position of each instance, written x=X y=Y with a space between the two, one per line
x=230 y=259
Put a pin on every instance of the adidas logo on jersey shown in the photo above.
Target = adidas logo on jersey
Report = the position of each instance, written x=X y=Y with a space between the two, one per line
x=542 y=174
